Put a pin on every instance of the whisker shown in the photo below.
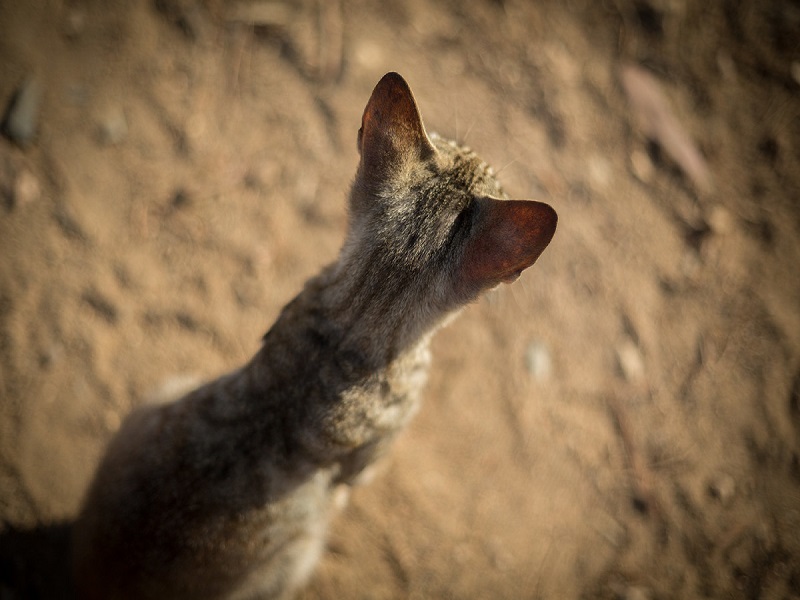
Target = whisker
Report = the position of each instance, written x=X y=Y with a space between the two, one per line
x=505 y=166
x=474 y=121
x=456 y=105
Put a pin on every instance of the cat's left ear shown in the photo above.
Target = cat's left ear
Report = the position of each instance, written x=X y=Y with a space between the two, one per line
x=391 y=128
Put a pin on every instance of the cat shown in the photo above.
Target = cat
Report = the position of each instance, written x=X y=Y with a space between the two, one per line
x=228 y=491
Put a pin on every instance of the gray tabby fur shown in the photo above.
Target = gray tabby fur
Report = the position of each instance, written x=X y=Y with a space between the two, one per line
x=228 y=491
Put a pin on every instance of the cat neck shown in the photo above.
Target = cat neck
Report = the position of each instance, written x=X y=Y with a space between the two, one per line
x=347 y=375
x=341 y=332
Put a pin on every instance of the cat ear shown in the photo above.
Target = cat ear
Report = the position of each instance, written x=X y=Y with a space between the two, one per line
x=391 y=128
x=507 y=238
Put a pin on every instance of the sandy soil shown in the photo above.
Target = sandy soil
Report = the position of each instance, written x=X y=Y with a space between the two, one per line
x=622 y=422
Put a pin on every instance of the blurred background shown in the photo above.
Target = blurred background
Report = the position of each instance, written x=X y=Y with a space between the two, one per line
x=622 y=422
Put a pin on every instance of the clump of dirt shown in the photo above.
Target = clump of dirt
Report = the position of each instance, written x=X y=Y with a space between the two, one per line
x=622 y=422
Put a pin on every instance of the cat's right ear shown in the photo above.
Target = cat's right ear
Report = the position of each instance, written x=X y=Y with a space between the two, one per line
x=506 y=238
x=391 y=128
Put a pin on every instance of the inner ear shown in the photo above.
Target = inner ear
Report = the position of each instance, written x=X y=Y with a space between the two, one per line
x=507 y=238
x=391 y=128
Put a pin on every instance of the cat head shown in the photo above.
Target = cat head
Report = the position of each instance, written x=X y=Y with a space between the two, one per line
x=428 y=214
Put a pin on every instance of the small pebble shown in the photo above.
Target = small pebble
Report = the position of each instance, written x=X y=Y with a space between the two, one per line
x=630 y=361
x=690 y=265
x=599 y=172
x=538 y=361
x=722 y=487
x=75 y=23
x=22 y=115
x=624 y=591
x=720 y=220
x=26 y=188
x=635 y=592
x=642 y=166
x=112 y=420
x=113 y=127
x=369 y=55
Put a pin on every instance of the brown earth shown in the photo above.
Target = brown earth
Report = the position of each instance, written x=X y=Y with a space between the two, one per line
x=624 y=421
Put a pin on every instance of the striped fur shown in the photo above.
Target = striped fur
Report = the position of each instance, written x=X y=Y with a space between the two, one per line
x=228 y=491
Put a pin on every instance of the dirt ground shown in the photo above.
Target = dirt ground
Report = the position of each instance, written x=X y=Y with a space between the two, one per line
x=622 y=422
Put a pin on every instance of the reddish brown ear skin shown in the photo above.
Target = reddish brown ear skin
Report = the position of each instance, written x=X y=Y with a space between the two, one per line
x=391 y=126
x=509 y=237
